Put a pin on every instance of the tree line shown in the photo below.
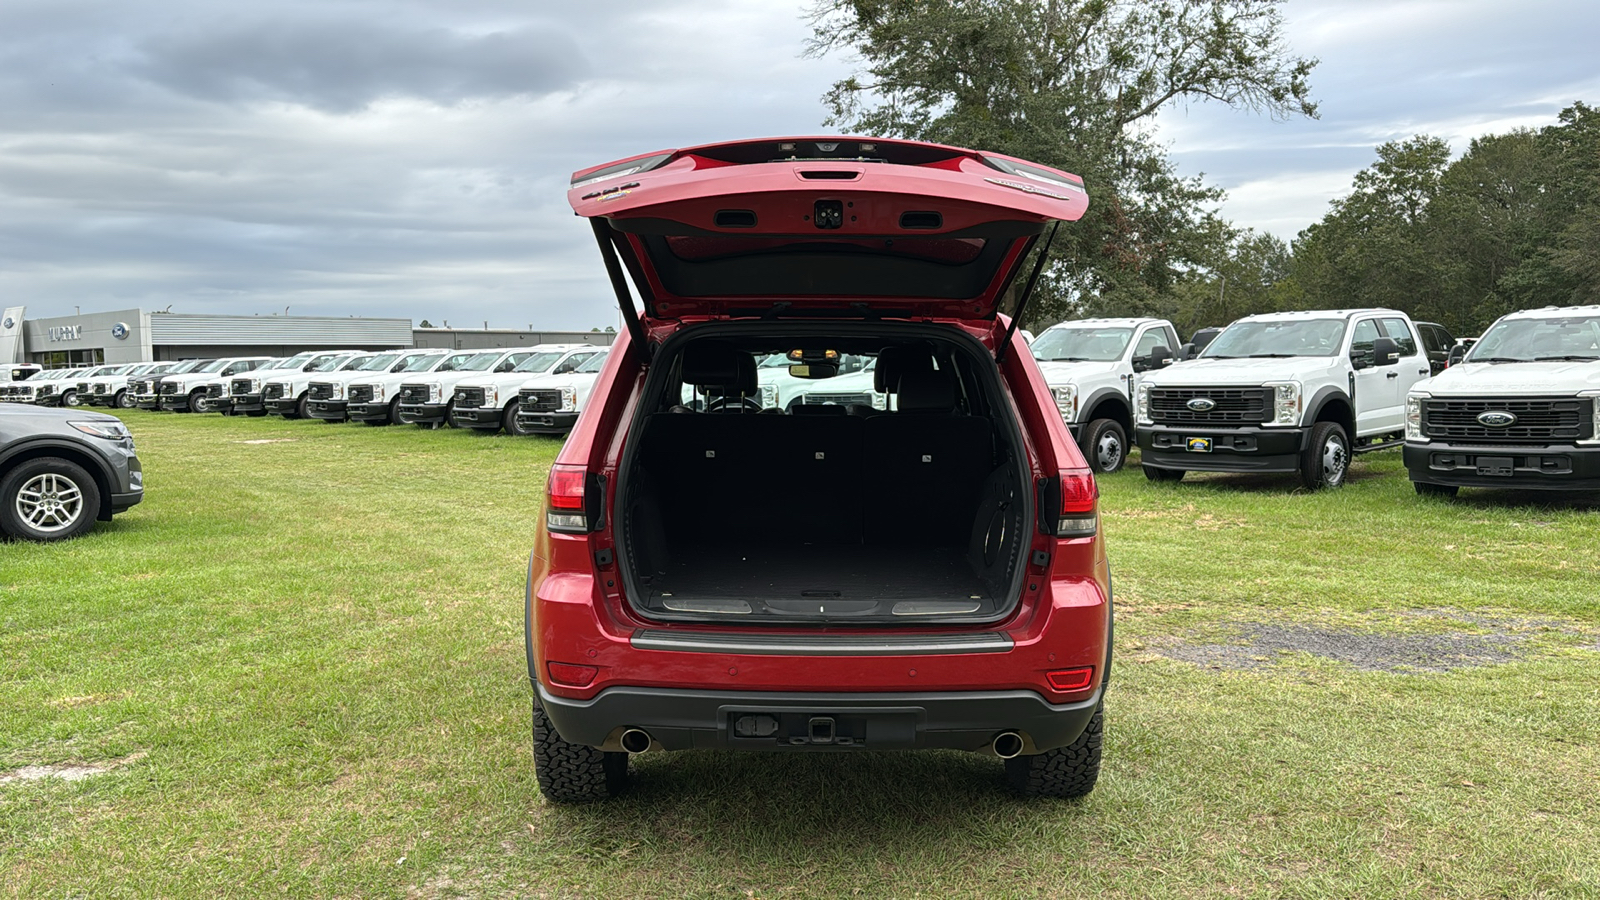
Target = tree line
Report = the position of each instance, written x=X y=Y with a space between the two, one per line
x=1077 y=84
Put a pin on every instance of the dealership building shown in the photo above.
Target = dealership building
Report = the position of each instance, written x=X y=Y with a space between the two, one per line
x=135 y=335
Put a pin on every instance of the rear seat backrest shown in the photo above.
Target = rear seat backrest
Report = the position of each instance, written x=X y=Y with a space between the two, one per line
x=925 y=466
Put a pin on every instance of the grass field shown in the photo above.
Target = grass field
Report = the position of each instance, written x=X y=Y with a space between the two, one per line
x=299 y=665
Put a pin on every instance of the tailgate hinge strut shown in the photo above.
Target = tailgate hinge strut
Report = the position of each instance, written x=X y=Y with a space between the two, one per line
x=1027 y=291
x=606 y=238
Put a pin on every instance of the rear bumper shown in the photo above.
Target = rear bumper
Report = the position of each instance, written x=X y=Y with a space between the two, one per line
x=423 y=413
x=1232 y=449
x=680 y=719
x=333 y=410
x=1554 y=467
x=547 y=423
x=477 y=417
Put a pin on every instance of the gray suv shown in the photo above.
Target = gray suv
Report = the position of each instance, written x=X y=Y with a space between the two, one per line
x=61 y=469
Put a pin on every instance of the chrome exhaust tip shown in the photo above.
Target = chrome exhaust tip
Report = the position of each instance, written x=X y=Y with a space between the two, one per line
x=636 y=740
x=1006 y=744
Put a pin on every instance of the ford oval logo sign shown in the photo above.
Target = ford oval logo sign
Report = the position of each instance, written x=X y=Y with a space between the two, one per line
x=120 y=331
x=1202 y=404
x=9 y=322
x=1496 y=418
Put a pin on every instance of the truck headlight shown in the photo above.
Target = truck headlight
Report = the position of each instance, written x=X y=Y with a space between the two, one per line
x=769 y=396
x=1141 y=404
x=1594 y=428
x=435 y=393
x=337 y=392
x=1414 y=417
x=1285 y=402
x=880 y=401
x=569 y=399
x=491 y=395
x=1066 y=401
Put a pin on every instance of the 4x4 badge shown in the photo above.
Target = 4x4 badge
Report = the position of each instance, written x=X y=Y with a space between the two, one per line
x=1202 y=404
x=1496 y=418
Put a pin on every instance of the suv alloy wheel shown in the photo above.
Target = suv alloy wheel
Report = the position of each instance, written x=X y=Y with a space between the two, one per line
x=48 y=499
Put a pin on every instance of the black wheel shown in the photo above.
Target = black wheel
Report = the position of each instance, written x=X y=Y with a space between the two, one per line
x=1104 y=445
x=1066 y=772
x=394 y=412
x=1155 y=474
x=70 y=398
x=301 y=410
x=123 y=400
x=197 y=402
x=1445 y=491
x=48 y=499
x=509 y=420
x=1326 y=460
x=450 y=413
x=573 y=773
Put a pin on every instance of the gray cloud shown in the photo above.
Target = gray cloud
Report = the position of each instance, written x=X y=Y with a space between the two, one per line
x=342 y=65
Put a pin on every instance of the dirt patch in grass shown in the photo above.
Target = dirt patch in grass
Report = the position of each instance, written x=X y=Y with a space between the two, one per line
x=66 y=771
x=1491 y=640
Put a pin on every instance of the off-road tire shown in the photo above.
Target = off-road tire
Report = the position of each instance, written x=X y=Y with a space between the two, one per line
x=574 y=773
x=1103 y=438
x=88 y=499
x=510 y=423
x=1325 y=463
x=1155 y=474
x=1066 y=772
x=1442 y=491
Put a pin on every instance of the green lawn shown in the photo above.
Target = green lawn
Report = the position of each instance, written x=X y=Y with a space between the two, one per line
x=302 y=663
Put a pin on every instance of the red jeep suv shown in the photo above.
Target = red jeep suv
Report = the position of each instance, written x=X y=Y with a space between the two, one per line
x=922 y=568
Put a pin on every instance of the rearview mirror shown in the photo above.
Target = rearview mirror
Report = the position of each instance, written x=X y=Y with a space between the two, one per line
x=813 y=370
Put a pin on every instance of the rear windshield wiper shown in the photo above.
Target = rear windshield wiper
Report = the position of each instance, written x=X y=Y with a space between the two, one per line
x=1571 y=357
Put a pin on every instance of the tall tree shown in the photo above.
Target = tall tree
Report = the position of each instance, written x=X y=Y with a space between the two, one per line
x=1075 y=84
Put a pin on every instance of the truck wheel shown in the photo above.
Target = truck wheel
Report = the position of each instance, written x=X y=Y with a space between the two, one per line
x=70 y=398
x=1155 y=474
x=1425 y=489
x=1065 y=772
x=1326 y=460
x=1105 y=445
x=510 y=422
x=124 y=400
x=197 y=402
x=573 y=773
x=48 y=499
x=394 y=412
x=301 y=410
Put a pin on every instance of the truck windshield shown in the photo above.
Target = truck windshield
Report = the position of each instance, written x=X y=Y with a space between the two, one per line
x=540 y=362
x=379 y=363
x=1564 y=339
x=480 y=363
x=593 y=363
x=1081 y=344
x=329 y=364
x=186 y=366
x=1299 y=337
x=423 y=362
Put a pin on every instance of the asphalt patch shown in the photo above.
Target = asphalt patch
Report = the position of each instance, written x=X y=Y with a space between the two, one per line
x=1256 y=645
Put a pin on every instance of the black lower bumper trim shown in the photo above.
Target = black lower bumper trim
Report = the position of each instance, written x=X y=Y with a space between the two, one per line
x=679 y=719
x=423 y=413
x=1230 y=449
x=121 y=502
x=1554 y=467
x=478 y=417
x=547 y=423
x=327 y=409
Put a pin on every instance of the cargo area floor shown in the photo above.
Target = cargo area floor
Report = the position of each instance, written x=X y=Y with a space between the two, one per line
x=821 y=581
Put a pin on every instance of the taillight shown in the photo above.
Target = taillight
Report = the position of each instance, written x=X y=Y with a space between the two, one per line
x=1080 y=498
x=1068 y=680
x=564 y=509
x=572 y=675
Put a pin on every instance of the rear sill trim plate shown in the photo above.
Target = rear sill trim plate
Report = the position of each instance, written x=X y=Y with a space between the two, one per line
x=820 y=644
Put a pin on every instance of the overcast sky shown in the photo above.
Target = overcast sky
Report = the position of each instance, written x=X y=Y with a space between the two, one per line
x=409 y=158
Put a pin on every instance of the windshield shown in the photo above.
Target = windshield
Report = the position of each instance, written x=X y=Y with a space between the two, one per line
x=378 y=363
x=1566 y=339
x=1081 y=344
x=540 y=362
x=593 y=363
x=215 y=365
x=187 y=365
x=1298 y=337
x=329 y=364
x=480 y=363
x=423 y=362
x=354 y=363
x=774 y=361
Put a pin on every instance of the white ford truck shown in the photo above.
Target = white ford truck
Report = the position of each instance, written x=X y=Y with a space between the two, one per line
x=186 y=391
x=1283 y=392
x=489 y=402
x=1522 y=410
x=373 y=397
x=429 y=401
x=288 y=394
x=1093 y=367
x=550 y=404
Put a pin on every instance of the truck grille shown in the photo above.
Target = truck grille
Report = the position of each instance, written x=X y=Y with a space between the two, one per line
x=241 y=385
x=836 y=399
x=272 y=392
x=1234 y=406
x=319 y=390
x=1538 y=421
x=413 y=393
x=83 y=387
x=539 y=400
x=214 y=391
x=360 y=393
x=169 y=387
x=469 y=397
x=100 y=389
x=47 y=390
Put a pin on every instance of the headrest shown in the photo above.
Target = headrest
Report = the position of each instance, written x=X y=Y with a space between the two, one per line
x=927 y=390
x=743 y=383
x=712 y=365
x=894 y=361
